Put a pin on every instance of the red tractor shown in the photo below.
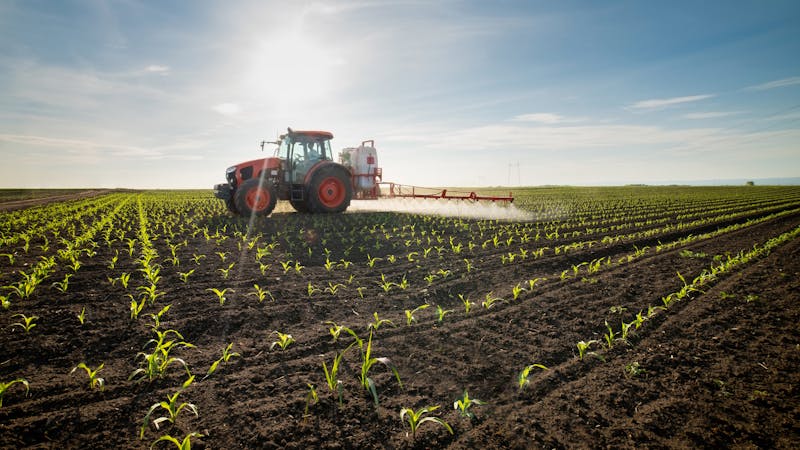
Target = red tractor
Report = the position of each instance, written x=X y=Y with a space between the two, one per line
x=303 y=172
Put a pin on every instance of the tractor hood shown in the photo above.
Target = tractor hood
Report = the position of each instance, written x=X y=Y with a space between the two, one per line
x=249 y=169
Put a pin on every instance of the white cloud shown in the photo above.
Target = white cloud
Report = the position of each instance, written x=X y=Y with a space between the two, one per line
x=547 y=118
x=158 y=69
x=664 y=102
x=227 y=109
x=776 y=84
x=711 y=114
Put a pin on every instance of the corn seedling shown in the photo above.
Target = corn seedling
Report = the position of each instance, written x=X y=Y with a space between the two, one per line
x=185 y=444
x=633 y=369
x=123 y=279
x=4 y=387
x=415 y=419
x=410 y=313
x=366 y=364
x=522 y=378
x=82 y=316
x=185 y=275
x=151 y=293
x=63 y=285
x=137 y=307
x=5 y=301
x=467 y=303
x=336 y=331
x=226 y=271
x=284 y=340
x=583 y=346
x=333 y=288
x=378 y=322
x=490 y=300
x=220 y=294
x=310 y=397
x=440 y=312
x=298 y=267
x=332 y=375
x=464 y=405
x=609 y=336
x=172 y=407
x=516 y=290
x=157 y=317
x=261 y=294
x=311 y=289
x=226 y=355
x=27 y=322
x=157 y=362
x=385 y=285
x=94 y=380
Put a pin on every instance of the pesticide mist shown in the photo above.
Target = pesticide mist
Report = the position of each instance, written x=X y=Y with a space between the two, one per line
x=447 y=208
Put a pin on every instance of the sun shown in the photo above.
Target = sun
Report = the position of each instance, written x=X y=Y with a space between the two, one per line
x=291 y=71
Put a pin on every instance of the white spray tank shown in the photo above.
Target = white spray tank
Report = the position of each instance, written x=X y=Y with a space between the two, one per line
x=363 y=164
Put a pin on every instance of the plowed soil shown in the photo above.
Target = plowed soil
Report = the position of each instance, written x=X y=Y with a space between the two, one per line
x=716 y=369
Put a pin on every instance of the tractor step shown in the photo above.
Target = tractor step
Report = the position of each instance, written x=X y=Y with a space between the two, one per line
x=297 y=192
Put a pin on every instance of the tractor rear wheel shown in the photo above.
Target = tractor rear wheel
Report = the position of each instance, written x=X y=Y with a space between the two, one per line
x=330 y=191
x=255 y=197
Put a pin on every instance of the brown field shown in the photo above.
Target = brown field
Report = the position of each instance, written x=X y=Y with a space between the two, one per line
x=712 y=361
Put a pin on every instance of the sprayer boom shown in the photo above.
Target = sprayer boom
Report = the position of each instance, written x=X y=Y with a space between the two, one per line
x=403 y=191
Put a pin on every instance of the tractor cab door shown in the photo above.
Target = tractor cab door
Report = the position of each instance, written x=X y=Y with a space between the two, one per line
x=301 y=153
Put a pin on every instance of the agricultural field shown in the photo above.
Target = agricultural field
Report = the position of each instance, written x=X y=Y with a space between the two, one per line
x=606 y=318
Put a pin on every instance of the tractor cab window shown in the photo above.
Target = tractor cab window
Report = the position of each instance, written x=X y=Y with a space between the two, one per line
x=303 y=153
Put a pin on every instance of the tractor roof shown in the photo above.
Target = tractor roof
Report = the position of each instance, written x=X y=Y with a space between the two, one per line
x=312 y=134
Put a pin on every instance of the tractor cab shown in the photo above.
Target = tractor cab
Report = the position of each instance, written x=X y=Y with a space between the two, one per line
x=300 y=151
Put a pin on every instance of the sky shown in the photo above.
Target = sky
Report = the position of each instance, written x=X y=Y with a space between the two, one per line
x=168 y=94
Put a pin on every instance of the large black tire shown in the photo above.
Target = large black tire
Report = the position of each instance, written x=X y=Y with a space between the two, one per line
x=231 y=206
x=330 y=190
x=299 y=205
x=255 y=197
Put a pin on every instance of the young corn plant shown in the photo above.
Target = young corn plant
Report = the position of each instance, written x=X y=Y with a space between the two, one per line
x=415 y=419
x=185 y=444
x=94 y=380
x=490 y=300
x=157 y=317
x=441 y=312
x=261 y=294
x=82 y=316
x=377 y=322
x=464 y=405
x=27 y=322
x=63 y=285
x=523 y=377
x=137 y=307
x=284 y=340
x=609 y=336
x=367 y=362
x=467 y=303
x=185 y=275
x=220 y=294
x=172 y=408
x=311 y=398
x=155 y=364
x=332 y=375
x=4 y=387
x=227 y=354
x=517 y=290
x=583 y=346
x=410 y=313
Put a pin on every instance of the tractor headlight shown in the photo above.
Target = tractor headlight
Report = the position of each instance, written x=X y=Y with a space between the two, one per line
x=230 y=170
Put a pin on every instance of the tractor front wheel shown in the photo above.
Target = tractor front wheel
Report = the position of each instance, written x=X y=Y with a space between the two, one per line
x=330 y=191
x=255 y=197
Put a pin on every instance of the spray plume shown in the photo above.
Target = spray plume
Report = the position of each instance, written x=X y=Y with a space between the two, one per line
x=447 y=208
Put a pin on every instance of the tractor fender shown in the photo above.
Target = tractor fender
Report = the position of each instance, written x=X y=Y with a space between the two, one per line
x=316 y=167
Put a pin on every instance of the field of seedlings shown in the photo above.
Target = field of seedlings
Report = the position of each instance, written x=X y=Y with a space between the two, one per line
x=606 y=318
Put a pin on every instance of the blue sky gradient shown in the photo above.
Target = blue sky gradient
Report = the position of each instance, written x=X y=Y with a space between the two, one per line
x=167 y=94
